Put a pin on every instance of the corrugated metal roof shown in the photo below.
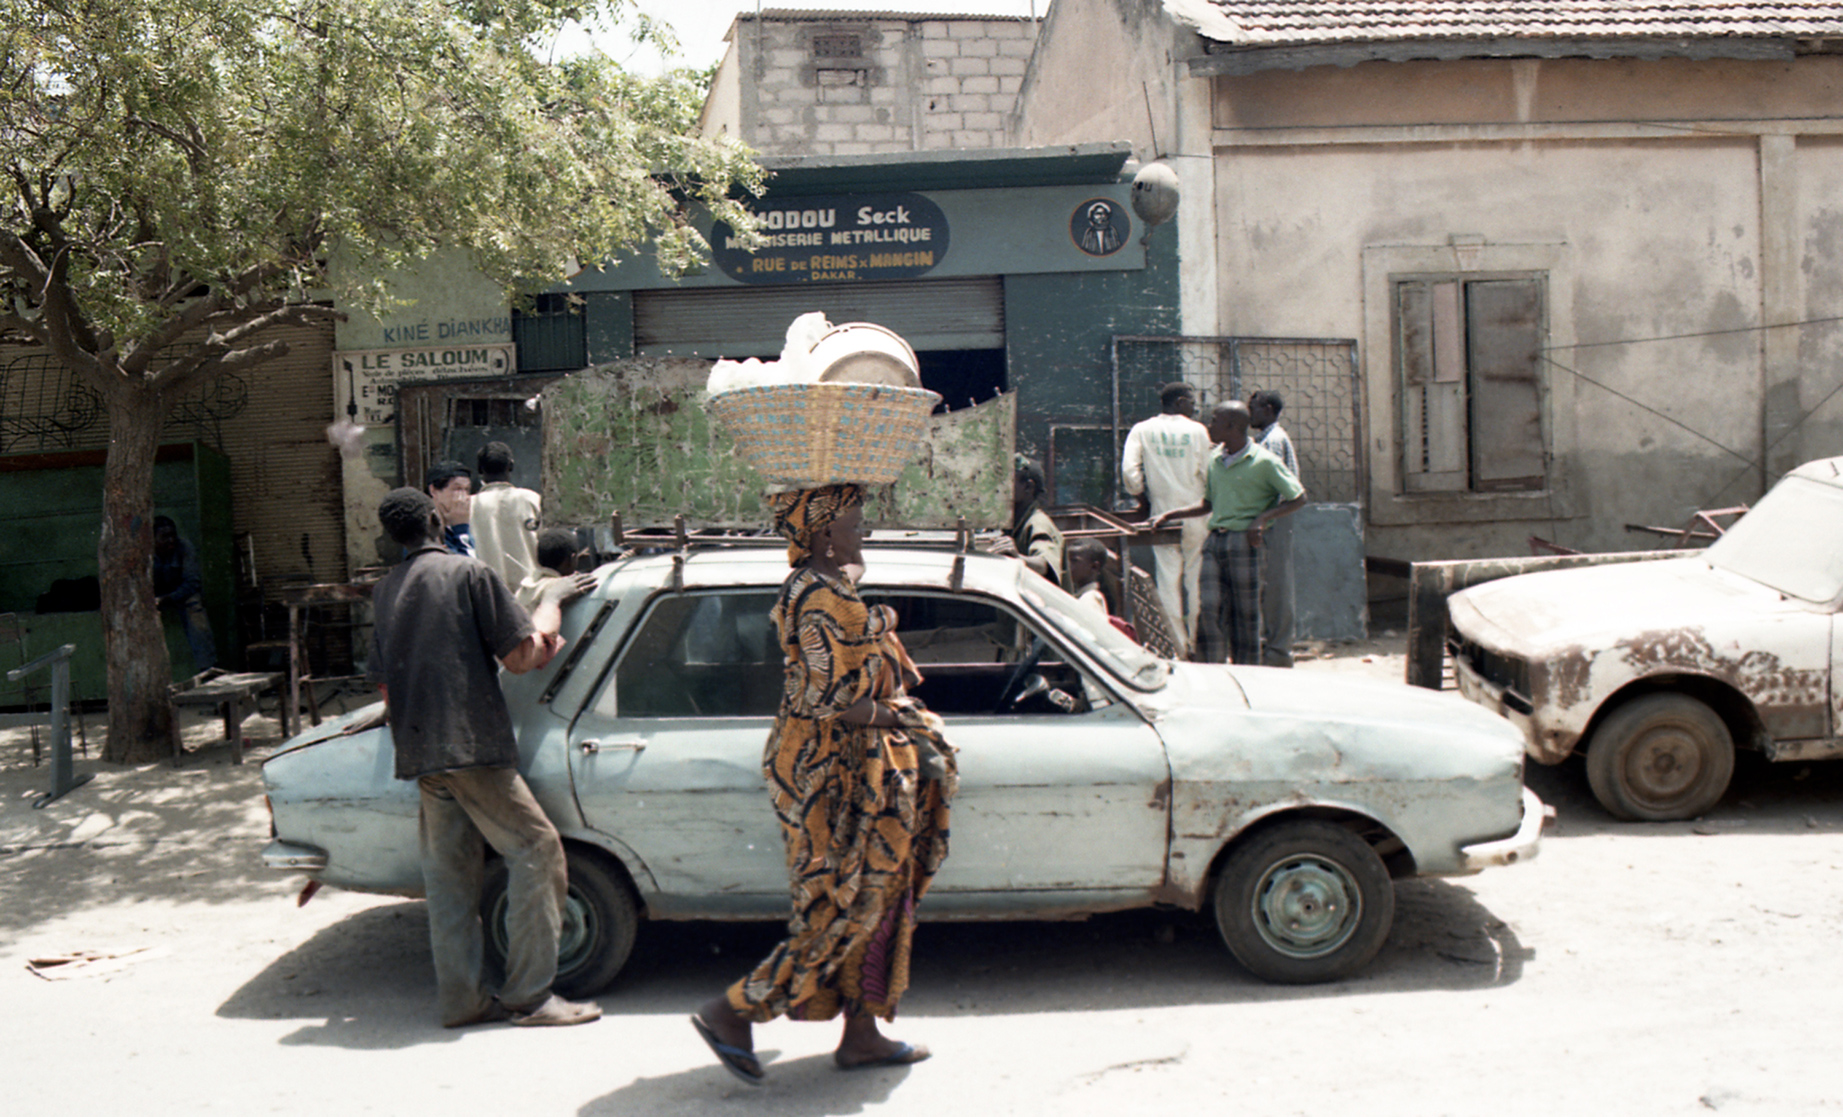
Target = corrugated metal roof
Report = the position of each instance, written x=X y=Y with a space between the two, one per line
x=1258 y=23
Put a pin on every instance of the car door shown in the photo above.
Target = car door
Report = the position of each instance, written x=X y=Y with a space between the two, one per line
x=1060 y=793
x=667 y=756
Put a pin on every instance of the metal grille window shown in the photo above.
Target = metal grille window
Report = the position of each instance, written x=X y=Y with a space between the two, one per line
x=550 y=336
x=1470 y=383
x=1316 y=377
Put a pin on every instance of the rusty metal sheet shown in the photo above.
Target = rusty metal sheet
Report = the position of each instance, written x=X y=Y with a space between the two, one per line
x=634 y=438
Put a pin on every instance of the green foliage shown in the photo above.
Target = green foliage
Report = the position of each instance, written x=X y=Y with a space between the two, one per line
x=160 y=152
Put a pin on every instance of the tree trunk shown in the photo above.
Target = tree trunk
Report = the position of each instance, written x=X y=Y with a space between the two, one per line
x=141 y=722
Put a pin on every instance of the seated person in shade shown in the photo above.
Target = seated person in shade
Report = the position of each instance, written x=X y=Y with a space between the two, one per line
x=557 y=552
x=1087 y=559
x=176 y=591
x=1033 y=537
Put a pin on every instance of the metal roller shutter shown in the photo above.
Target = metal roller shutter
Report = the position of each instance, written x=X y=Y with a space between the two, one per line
x=752 y=321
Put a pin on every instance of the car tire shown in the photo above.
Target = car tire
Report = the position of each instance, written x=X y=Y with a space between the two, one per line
x=1660 y=757
x=600 y=921
x=1304 y=902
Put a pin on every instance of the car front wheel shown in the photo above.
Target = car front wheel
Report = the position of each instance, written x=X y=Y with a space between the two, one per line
x=1304 y=902
x=600 y=920
x=1660 y=757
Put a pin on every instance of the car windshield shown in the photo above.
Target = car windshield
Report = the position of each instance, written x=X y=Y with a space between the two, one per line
x=1792 y=541
x=1137 y=666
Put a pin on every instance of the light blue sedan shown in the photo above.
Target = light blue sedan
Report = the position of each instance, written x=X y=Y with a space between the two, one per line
x=1095 y=776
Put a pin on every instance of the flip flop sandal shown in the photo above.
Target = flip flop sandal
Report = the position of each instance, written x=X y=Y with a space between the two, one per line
x=901 y=1057
x=738 y=1062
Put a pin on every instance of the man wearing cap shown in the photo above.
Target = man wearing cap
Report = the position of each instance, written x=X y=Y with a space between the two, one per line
x=441 y=622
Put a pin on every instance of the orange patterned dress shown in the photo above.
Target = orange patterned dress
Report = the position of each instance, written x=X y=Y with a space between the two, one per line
x=865 y=830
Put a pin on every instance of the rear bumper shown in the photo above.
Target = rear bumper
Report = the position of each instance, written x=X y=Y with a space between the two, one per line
x=1521 y=846
x=287 y=857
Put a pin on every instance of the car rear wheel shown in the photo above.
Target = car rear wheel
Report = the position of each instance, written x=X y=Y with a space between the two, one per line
x=600 y=920
x=1304 y=902
x=1660 y=757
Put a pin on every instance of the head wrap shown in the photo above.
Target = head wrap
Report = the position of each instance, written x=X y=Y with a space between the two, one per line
x=800 y=516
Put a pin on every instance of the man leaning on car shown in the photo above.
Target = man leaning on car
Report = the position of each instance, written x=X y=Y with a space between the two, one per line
x=441 y=620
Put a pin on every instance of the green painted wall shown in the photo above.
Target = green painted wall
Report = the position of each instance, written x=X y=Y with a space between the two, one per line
x=608 y=322
x=1059 y=330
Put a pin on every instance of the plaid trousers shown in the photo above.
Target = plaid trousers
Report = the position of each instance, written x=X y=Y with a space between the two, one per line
x=1229 y=591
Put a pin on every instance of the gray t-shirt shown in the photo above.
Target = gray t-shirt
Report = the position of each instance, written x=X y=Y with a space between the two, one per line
x=442 y=623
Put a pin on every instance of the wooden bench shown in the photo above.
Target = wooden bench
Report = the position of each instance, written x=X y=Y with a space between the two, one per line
x=232 y=692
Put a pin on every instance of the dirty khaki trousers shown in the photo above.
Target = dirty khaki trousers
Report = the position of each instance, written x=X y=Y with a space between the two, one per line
x=1176 y=568
x=461 y=811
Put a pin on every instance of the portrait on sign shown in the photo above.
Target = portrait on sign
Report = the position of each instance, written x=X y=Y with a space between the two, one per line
x=1099 y=226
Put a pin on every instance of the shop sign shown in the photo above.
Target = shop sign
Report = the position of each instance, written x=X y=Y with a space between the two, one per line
x=371 y=376
x=838 y=238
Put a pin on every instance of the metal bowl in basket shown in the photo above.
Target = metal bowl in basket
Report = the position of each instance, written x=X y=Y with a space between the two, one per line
x=806 y=435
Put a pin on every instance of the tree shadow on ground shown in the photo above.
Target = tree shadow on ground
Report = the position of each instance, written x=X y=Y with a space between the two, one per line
x=366 y=982
x=155 y=833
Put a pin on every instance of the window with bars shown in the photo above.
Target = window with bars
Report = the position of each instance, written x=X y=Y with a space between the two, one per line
x=1471 y=392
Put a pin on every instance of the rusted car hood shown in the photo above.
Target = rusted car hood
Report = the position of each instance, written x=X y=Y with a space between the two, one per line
x=1534 y=614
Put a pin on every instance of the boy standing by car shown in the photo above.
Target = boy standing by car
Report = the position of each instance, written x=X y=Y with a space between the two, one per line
x=441 y=621
x=1247 y=488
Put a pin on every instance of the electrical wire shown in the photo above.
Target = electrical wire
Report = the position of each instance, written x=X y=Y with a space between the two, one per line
x=1750 y=464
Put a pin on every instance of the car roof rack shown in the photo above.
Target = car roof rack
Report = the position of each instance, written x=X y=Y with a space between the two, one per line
x=682 y=542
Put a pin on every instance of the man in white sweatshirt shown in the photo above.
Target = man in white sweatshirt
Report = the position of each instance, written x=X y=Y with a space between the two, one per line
x=1164 y=461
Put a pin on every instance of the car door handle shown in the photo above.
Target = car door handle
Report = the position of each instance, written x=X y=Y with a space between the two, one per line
x=590 y=745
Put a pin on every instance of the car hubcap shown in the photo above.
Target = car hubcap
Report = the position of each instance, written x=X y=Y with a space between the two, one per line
x=577 y=934
x=574 y=940
x=1306 y=907
x=1665 y=764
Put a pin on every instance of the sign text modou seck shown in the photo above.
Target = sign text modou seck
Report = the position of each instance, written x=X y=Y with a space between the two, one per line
x=837 y=238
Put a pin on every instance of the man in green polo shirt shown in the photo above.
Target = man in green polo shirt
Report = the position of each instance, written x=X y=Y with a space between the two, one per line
x=1246 y=489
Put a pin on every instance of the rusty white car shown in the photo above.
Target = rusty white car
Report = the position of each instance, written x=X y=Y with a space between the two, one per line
x=1095 y=776
x=1660 y=670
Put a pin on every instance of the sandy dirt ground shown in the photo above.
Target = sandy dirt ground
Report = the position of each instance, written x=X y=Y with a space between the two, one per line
x=1673 y=968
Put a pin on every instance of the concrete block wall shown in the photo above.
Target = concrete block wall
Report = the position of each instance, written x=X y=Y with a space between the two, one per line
x=910 y=84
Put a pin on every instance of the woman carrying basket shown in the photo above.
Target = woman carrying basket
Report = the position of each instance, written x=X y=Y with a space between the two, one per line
x=860 y=778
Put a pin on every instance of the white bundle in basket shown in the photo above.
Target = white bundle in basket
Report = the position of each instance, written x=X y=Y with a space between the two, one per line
x=794 y=367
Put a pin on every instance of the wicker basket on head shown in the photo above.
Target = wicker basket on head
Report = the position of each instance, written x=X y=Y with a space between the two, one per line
x=807 y=435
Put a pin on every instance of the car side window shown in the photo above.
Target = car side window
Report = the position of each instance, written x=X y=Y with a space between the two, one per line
x=698 y=655
x=971 y=650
